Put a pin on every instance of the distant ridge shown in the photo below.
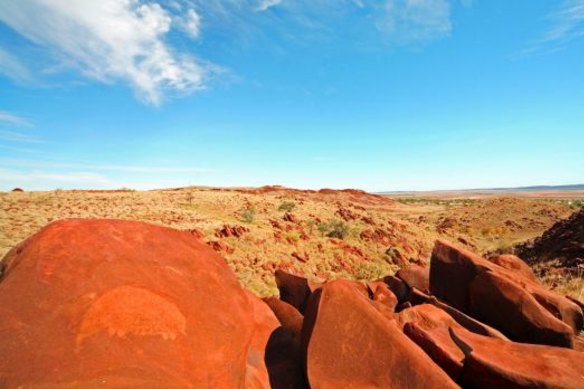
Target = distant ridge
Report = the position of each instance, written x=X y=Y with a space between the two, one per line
x=535 y=188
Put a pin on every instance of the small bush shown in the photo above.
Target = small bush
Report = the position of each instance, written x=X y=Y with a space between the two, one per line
x=338 y=229
x=287 y=206
x=371 y=270
x=323 y=228
x=248 y=216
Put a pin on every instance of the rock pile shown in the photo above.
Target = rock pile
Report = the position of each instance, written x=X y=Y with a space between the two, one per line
x=127 y=304
x=563 y=243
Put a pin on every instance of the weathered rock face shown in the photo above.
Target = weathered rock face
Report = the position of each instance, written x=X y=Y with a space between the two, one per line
x=294 y=290
x=348 y=343
x=415 y=276
x=505 y=299
x=493 y=363
x=112 y=303
x=119 y=303
x=505 y=305
x=485 y=362
x=513 y=262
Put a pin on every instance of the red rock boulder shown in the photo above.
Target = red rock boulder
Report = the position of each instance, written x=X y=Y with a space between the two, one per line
x=127 y=304
x=348 y=343
x=294 y=290
x=516 y=264
x=477 y=361
x=493 y=363
x=505 y=299
x=415 y=276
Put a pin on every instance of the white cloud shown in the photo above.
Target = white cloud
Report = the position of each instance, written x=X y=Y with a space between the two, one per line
x=136 y=41
x=264 y=5
x=111 y=40
x=14 y=119
x=191 y=23
x=416 y=21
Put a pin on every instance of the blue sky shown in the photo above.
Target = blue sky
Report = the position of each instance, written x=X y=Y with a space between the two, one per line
x=378 y=95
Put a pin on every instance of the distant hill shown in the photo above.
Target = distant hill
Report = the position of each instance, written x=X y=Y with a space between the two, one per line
x=537 y=188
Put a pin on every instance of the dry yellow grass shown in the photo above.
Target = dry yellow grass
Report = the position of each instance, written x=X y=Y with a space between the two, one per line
x=408 y=228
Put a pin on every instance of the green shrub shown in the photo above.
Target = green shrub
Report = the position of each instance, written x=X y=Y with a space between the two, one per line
x=287 y=206
x=248 y=216
x=323 y=228
x=371 y=270
x=338 y=229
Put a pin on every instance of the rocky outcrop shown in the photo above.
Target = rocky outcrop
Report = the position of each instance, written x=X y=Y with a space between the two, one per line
x=363 y=349
x=503 y=298
x=563 y=242
x=114 y=303
x=485 y=362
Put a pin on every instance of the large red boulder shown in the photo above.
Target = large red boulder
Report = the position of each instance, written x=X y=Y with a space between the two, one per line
x=265 y=323
x=503 y=297
x=415 y=276
x=503 y=304
x=428 y=327
x=477 y=361
x=513 y=262
x=493 y=363
x=118 y=303
x=348 y=343
x=288 y=316
x=295 y=290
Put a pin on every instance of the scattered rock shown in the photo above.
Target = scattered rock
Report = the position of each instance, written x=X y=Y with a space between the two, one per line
x=227 y=231
x=220 y=246
x=302 y=258
x=197 y=233
x=376 y=235
x=288 y=217
x=346 y=214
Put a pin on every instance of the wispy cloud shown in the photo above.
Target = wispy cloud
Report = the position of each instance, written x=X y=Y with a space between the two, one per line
x=113 y=40
x=566 y=26
x=416 y=21
x=267 y=4
x=12 y=67
x=13 y=136
x=142 y=43
x=18 y=177
x=18 y=149
x=14 y=119
x=33 y=163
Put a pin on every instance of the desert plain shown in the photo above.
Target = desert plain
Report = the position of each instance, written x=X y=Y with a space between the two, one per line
x=321 y=234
